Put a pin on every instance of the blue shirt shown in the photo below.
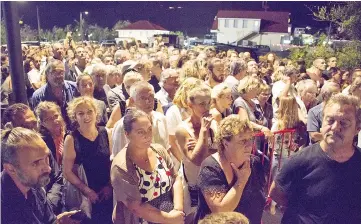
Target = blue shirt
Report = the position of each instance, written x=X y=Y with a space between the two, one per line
x=44 y=93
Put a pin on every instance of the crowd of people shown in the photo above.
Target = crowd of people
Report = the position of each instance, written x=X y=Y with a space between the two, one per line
x=139 y=135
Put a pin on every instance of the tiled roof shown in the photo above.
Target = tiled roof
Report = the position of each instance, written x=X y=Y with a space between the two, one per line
x=143 y=25
x=271 y=21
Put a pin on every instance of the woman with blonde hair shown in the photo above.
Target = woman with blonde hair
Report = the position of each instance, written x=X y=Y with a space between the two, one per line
x=179 y=111
x=286 y=144
x=221 y=102
x=195 y=138
x=245 y=105
x=232 y=179
x=89 y=146
x=189 y=69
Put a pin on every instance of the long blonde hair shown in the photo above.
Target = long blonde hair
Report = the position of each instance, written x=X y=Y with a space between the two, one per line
x=288 y=113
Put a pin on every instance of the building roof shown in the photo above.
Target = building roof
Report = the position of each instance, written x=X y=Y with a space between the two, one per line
x=271 y=21
x=143 y=25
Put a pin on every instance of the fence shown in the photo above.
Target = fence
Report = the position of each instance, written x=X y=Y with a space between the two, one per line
x=282 y=141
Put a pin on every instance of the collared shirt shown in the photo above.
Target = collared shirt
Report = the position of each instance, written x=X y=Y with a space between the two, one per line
x=44 y=93
x=160 y=133
x=16 y=209
x=163 y=97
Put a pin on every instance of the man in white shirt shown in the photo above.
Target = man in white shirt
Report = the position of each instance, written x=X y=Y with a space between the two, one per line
x=142 y=98
x=238 y=70
x=169 y=81
x=34 y=75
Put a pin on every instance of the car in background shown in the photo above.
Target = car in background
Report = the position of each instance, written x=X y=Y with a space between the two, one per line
x=108 y=43
x=262 y=49
x=225 y=47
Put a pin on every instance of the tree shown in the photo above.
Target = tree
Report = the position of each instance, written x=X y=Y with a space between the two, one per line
x=120 y=24
x=345 y=16
x=26 y=33
x=348 y=56
x=3 y=32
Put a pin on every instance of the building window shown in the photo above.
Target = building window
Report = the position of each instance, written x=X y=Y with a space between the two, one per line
x=226 y=23
x=235 y=25
x=245 y=23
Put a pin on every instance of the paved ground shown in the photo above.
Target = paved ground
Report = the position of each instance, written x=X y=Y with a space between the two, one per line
x=271 y=219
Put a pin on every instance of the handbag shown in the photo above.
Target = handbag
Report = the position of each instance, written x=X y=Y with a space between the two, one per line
x=73 y=197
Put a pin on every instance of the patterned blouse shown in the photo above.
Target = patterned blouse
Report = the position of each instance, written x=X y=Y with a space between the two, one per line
x=155 y=187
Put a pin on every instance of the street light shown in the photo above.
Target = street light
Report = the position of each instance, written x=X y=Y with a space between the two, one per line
x=81 y=24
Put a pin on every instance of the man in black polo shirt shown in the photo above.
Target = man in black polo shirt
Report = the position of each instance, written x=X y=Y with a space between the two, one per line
x=25 y=158
x=322 y=183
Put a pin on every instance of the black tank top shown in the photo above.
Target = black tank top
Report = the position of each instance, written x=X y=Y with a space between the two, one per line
x=95 y=157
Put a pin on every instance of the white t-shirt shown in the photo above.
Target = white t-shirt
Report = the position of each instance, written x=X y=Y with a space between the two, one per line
x=160 y=133
x=174 y=118
x=277 y=89
x=34 y=76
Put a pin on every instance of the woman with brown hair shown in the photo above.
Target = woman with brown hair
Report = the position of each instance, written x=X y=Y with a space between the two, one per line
x=147 y=188
x=232 y=179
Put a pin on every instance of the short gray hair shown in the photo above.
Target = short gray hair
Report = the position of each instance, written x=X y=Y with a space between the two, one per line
x=15 y=139
x=99 y=68
x=329 y=89
x=132 y=75
x=237 y=66
x=305 y=84
x=342 y=100
x=138 y=86
x=112 y=70
x=52 y=65
x=168 y=73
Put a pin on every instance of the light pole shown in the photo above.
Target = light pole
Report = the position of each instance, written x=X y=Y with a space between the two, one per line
x=38 y=18
x=81 y=25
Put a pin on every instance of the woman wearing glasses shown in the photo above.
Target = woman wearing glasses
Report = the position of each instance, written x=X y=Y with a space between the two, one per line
x=232 y=179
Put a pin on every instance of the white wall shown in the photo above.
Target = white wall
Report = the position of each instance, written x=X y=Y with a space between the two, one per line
x=234 y=29
x=268 y=38
x=141 y=35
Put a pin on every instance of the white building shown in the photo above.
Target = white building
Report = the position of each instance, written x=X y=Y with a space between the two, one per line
x=141 y=30
x=256 y=27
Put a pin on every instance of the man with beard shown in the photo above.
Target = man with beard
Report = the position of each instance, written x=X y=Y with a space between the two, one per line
x=20 y=115
x=252 y=68
x=79 y=67
x=56 y=89
x=216 y=72
x=25 y=157
x=322 y=182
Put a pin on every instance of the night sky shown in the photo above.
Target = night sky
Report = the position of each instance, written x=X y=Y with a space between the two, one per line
x=194 y=18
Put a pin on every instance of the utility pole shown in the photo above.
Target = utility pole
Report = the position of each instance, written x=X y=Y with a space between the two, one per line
x=81 y=26
x=38 y=18
x=15 y=53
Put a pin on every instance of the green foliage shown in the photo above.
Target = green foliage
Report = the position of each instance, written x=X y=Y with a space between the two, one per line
x=3 y=32
x=179 y=33
x=26 y=33
x=345 y=16
x=348 y=56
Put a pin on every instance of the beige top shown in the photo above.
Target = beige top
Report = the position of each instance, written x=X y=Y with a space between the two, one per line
x=125 y=183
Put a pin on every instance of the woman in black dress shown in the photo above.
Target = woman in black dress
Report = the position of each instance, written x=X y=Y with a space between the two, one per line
x=89 y=145
x=232 y=179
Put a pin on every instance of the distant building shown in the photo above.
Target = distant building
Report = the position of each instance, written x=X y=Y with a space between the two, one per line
x=299 y=31
x=251 y=27
x=141 y=30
